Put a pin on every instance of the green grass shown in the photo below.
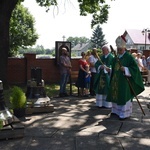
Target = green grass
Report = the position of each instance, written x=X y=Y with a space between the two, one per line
x=51 y=90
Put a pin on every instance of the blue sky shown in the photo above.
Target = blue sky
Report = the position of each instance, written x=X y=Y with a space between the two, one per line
x=66 y=21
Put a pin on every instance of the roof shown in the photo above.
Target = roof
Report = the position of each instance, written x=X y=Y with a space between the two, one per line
x=80 y=46
x=137 y=36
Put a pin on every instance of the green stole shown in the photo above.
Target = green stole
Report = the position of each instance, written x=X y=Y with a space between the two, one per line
x=101 y=80
x=120 y=91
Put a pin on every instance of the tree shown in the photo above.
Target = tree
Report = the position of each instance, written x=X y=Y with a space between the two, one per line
x=98 y=38
x=98 y=8
x=21 y=32
x=76 y=40
x=39 y=49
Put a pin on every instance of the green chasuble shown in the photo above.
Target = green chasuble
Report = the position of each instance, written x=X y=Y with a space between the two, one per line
x=120 y=91
x=101 y=80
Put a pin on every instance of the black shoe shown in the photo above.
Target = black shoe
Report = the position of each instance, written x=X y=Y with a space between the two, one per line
x=93 y=94
x=113 y=114
x=86 y=95
x=122 y=119
x=61 y=95
x=65 y=94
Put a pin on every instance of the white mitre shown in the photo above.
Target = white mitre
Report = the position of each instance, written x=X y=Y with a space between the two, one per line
x=121 y=42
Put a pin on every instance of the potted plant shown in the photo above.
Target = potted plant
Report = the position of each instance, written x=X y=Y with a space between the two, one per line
x=18 y=101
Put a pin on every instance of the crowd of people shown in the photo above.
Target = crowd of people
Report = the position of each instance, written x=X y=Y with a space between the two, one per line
x=114 y=78
x=143 y=64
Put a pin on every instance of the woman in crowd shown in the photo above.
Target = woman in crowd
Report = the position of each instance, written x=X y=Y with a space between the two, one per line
x=81 y=76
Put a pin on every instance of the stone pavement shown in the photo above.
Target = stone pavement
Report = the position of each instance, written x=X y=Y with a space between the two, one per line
x=77 y=125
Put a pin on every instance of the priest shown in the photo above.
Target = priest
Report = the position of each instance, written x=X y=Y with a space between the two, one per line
x=102 y=77
x=126 y=81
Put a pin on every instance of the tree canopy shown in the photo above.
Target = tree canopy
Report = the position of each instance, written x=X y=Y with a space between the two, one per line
x=97 y=8
x=76 y=40
x=98 y=37
x=21 y=32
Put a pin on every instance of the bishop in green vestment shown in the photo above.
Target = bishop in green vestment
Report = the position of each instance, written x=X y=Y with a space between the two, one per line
x=120 y=94
x=102 y=77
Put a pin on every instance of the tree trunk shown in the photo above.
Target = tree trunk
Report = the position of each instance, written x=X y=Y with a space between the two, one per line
x=6 y=8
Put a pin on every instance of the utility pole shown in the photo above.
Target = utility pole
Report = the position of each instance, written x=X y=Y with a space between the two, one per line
x=145 y=32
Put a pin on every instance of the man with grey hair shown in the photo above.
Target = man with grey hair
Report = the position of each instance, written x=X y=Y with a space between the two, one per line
x=126 y=81
x=102 y=78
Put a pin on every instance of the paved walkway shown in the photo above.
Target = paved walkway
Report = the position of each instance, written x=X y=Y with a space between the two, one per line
x=77 y=125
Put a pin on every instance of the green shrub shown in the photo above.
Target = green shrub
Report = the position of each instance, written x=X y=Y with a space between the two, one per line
x=17 y=98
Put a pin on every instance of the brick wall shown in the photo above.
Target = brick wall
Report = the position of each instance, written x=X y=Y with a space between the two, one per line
x=19 y=69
